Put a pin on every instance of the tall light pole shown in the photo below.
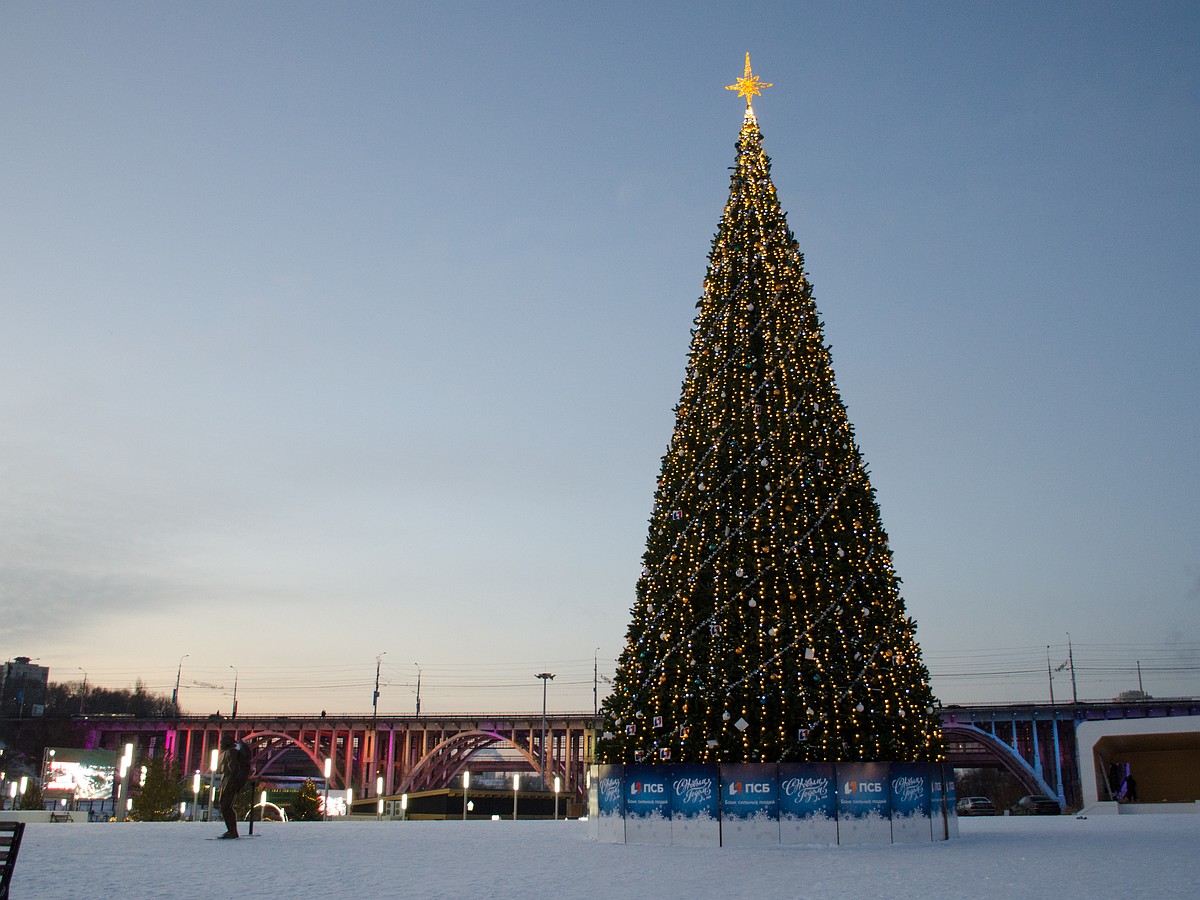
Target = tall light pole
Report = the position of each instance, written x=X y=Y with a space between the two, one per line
x=175 y=693
x=375 y=697
x=466 y=785
x=1071 y=660
x=546 y=678
x=596 y=684
x=82 y=690
x=418 y=665
x=235 y=681
x=374 y=743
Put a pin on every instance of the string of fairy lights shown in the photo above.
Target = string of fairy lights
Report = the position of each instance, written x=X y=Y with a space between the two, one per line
x=753 y=248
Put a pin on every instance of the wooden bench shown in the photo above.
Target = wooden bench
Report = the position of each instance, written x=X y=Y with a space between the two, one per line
x=64 y=816
x=10 y=844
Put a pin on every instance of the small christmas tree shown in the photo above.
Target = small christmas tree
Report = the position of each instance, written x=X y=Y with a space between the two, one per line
x=768 y=624
x=307 y=805
x=162 y=788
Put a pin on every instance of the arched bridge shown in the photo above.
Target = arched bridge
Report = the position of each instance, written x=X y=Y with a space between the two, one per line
x=409 y=753
x=1035 y=742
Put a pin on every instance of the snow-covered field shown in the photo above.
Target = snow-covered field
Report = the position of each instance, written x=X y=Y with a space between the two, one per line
x=1152 y=856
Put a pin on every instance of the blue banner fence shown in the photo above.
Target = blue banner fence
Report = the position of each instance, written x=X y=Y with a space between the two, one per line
x=763 y=804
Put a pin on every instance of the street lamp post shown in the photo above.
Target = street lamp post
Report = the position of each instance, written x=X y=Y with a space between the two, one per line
x=516 y=787
x=195 y=794
x=379 y=795
x=82 y=690
x=557 y=787
x=466 y=785
x=546 y=677
x=374 y=743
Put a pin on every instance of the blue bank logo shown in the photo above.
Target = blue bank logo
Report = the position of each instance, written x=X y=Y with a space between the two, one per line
x=750 y=787
x=639 y=787
x=863 y=787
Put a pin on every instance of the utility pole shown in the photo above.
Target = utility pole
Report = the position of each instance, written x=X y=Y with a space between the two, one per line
x=235 y=681
x=1049 y=675
x=546 y=678
x=1071 y=660
x=418 y=689
x=1140 y=691
x=174 y=693
x=596 y=683
x=375 y=697
x=374 y=748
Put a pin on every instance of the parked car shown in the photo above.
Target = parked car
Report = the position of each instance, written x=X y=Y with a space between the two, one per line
x=1035 y=805
x=975 y=806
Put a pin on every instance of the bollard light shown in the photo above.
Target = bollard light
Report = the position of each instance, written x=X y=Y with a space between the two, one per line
x=404 y=806
x=557 y=787
x=516 y=787
x=466 y=784
x=328 y=772
x=213 y=762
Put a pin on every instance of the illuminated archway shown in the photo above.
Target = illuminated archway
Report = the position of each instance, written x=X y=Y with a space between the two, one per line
x=441 y=764
x=1005 y=755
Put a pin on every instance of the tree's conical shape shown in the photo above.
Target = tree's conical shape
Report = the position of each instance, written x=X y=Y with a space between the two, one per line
x=768 y=624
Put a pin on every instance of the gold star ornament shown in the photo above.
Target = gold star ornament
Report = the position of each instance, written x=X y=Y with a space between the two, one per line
x=749 y=84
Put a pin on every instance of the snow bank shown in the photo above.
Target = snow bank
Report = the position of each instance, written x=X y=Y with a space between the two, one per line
x=1151 y=856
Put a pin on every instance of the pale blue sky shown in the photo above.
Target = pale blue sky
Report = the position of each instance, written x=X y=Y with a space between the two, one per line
x=330 y=329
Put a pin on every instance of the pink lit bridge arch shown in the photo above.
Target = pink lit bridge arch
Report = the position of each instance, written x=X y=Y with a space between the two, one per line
x=410 y=754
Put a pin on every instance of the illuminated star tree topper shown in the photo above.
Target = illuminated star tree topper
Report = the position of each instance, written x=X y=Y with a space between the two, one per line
x=748 y=86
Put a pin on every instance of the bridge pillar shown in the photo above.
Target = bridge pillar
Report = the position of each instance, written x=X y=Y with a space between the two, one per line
x=1037 y=756
x=1058 y=773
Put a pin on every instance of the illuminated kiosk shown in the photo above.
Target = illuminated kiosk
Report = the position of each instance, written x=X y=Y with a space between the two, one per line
x=757 y=804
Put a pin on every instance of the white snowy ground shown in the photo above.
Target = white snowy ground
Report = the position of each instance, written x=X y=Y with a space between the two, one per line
x=1152 y=856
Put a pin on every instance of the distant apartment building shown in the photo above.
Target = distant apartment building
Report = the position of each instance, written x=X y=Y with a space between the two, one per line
x=23 y=688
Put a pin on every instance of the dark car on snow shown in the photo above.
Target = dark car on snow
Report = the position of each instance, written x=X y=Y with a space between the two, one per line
x=1035 y=805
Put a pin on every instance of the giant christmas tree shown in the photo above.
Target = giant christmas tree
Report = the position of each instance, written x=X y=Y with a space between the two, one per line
x=768 y=624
